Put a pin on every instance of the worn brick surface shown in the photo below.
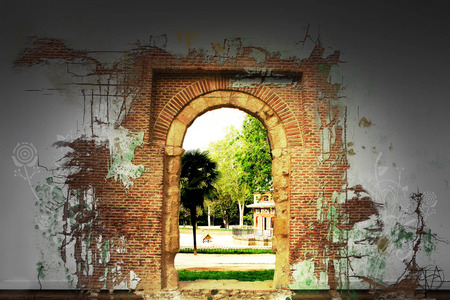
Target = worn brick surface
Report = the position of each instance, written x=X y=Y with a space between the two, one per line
x=164 y=85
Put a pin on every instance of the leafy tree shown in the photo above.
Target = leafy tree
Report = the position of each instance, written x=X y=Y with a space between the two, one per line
x=198 y=173
x=184 y=216
x=228 y=190
x=245 y=163
x=255 y=156
x=224 y=207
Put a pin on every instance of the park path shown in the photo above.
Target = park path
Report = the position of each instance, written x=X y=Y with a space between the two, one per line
x=219 y=238
x=224 y=262
x=219 y=262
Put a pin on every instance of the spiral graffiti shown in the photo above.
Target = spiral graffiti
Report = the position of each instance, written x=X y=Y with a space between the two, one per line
x=25 y=154
x=429 y=199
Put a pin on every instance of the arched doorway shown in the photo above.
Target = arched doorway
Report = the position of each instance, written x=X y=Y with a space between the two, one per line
x=280 y=169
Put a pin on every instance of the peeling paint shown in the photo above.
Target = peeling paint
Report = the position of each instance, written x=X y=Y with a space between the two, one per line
x=78 y=246
x=303 y=272
x=49 y=225
x=122 y=146
x=258 y=55
x=242 y=82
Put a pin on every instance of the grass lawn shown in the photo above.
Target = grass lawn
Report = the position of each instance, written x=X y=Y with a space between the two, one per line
x=262 y=275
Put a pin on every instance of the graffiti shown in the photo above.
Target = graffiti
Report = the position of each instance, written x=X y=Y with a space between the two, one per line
x=431 y=278
x=25 y=157
x=429 y=201
x=420 y=238
x=398 y=239
x=49 y=201
x=402 y=238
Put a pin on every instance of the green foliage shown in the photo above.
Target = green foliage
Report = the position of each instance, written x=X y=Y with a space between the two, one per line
x=228 y=190
x=228 y=251
x=185 y=275
x=255 y=156
x=184 y=216
x=245 y=163
x=224 y=206
x=248 y=219
x=198 y=173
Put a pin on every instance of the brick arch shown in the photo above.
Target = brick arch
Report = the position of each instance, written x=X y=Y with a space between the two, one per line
x=281 y=169
x=218 y=83
x=246 y=102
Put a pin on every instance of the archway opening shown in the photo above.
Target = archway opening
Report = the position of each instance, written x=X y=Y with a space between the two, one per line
x=280 y=171
x=235 y=223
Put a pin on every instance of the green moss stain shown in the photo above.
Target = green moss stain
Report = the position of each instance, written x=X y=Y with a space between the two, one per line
x=400 y=236
x=323 y=70
x=57 y=195
x=376 y=266
x=338 y=198
x=319 y=208
x=303 y=272
x=105 y=253
x=428 y=242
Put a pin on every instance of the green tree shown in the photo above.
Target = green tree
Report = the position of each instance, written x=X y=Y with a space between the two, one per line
x=224 y=207
x=228 y=190
x=255 y=156
x=198 y=173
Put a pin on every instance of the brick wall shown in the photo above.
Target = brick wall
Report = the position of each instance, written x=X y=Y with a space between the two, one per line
x=161 y=86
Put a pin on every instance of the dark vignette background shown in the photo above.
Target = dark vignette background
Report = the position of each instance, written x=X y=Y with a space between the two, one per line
x=394 y=70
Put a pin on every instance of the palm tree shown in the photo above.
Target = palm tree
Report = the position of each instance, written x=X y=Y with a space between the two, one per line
x=198 y=173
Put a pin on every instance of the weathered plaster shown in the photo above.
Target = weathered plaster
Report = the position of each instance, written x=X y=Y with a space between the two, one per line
x=100 y=241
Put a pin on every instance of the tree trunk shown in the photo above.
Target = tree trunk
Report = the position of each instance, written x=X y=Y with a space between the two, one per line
x=209 y=217
x=241 y=214
x=225 y=221
x=194 y=226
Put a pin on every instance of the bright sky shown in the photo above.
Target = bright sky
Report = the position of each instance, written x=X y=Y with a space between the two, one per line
x=211 y=126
